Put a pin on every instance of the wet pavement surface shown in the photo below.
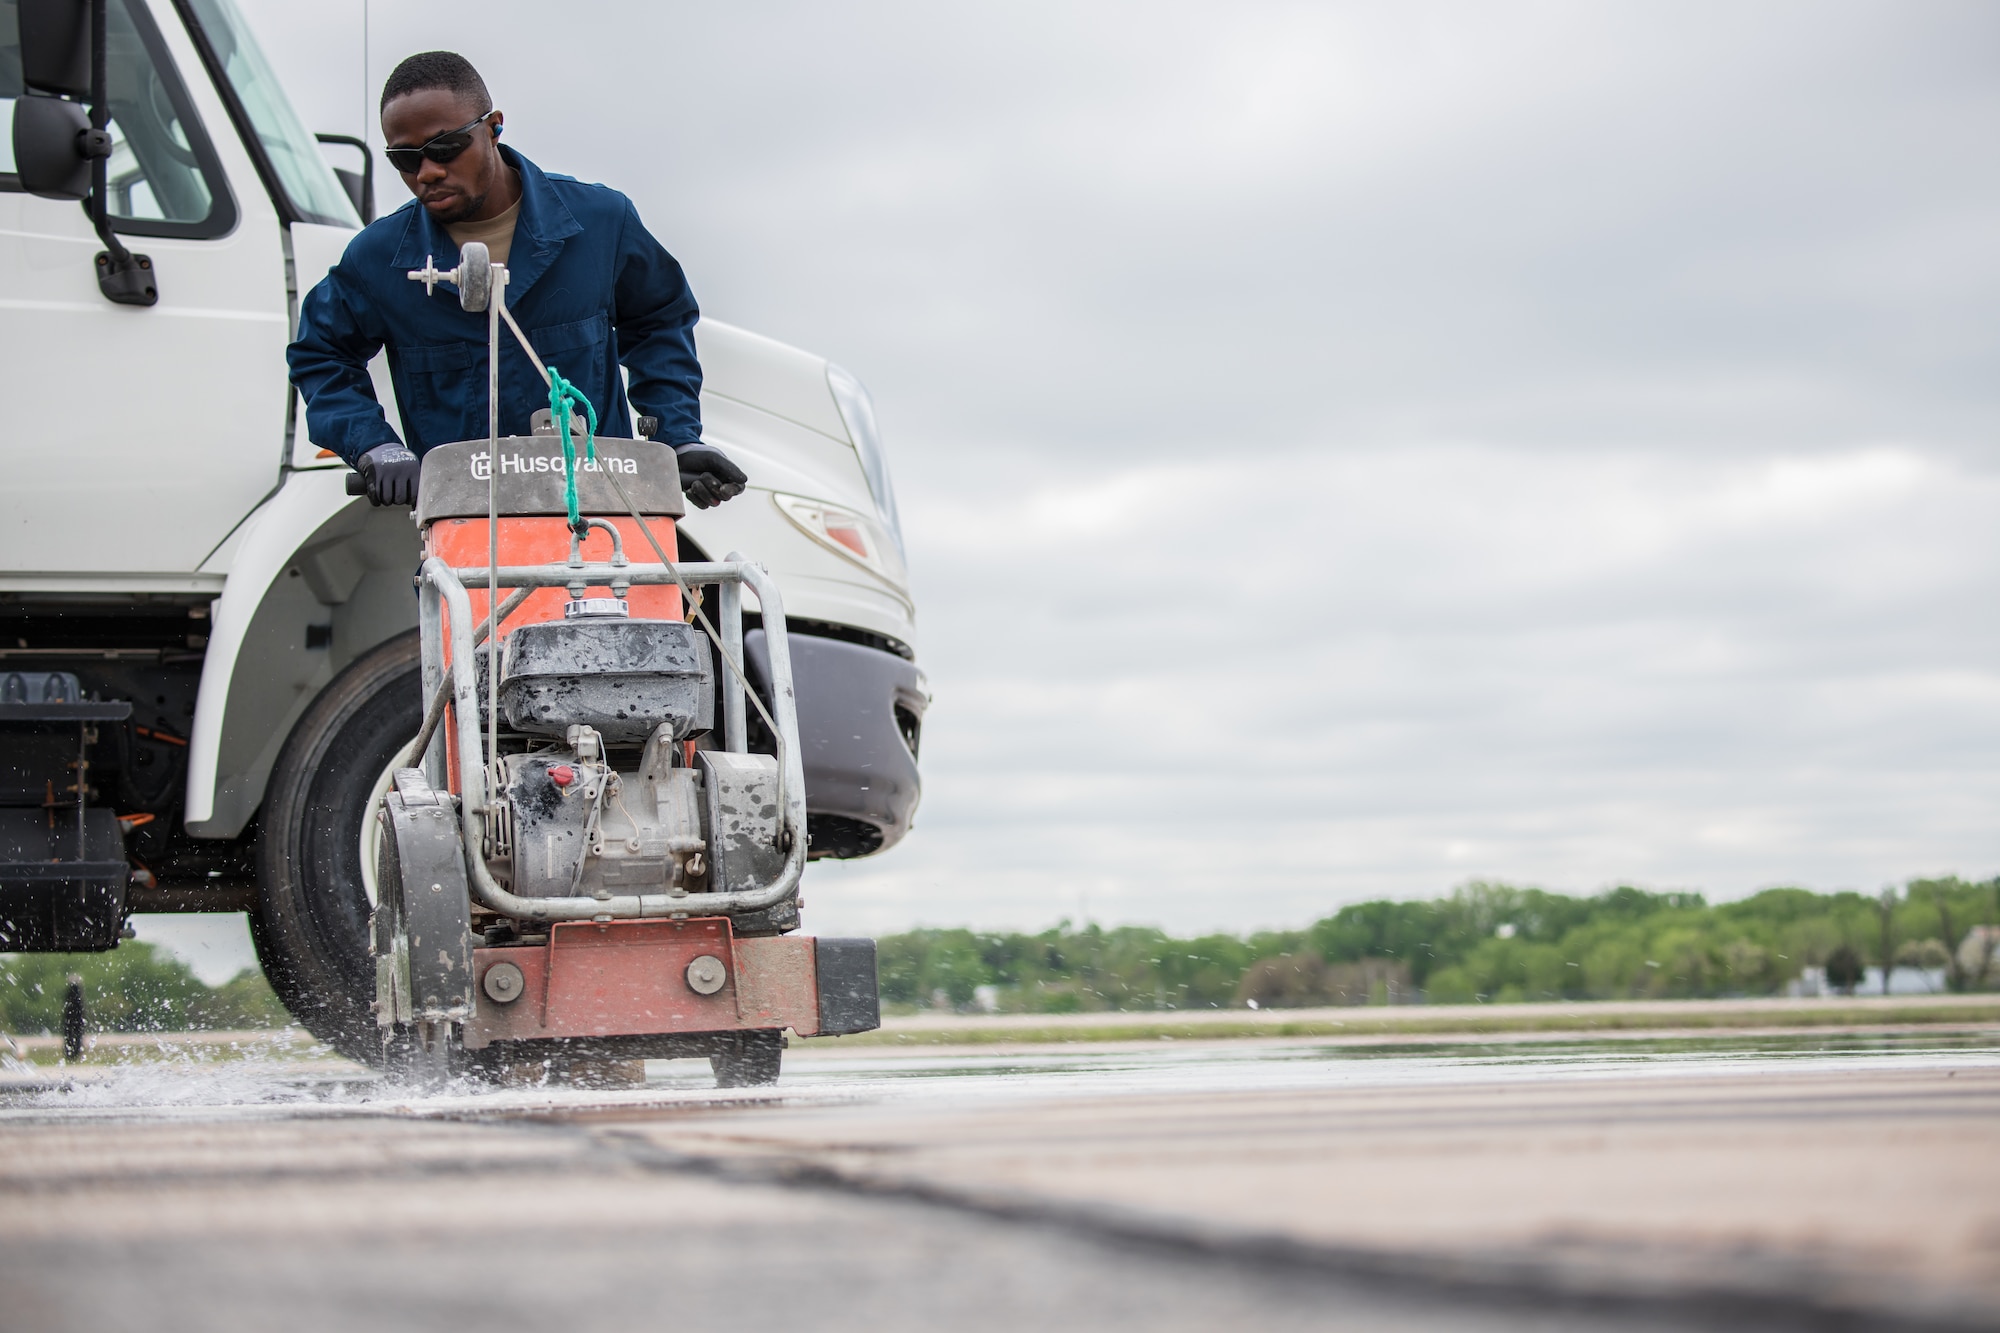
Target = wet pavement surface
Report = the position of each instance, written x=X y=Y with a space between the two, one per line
x=1820 y=1180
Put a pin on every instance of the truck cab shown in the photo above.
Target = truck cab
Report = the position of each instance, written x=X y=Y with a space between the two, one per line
x=174 y=544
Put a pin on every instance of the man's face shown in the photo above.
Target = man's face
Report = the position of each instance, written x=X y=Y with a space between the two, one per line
x=451 y=191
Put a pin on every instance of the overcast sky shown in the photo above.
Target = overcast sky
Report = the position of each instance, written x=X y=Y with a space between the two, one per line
x=1347 y=450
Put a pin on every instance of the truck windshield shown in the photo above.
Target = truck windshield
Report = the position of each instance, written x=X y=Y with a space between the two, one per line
x=310 y=186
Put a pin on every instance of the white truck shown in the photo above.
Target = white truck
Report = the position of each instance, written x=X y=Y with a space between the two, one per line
x=207 y=647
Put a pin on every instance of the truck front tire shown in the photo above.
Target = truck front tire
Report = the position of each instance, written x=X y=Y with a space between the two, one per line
x=311 y=926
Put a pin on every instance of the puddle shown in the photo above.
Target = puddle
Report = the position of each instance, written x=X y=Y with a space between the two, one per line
x=287 y=1075
x=1222 y=1066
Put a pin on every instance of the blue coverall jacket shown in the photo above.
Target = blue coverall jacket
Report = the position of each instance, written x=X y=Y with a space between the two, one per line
x=587 y=283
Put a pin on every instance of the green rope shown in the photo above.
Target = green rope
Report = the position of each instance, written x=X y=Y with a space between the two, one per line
x=563 y=400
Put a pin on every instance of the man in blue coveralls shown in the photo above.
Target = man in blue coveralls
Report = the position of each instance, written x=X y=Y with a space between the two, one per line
x=586 y=282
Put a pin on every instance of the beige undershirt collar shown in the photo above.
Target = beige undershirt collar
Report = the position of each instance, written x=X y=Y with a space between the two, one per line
x=497 y=233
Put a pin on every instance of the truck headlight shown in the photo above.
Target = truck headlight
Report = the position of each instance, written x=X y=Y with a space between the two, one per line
x=856 y=536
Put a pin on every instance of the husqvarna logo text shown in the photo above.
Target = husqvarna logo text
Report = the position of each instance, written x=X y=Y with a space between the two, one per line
x=525 y=463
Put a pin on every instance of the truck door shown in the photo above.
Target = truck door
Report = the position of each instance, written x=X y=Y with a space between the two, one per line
x=148 y=433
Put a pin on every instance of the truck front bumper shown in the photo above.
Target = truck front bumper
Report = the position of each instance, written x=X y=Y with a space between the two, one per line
x=860 y=715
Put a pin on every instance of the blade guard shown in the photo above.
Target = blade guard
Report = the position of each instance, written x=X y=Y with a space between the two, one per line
x=421 y=930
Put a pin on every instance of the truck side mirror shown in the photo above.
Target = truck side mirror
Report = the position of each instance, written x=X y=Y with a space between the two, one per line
x=53 y=142
x=59 y=147
x=54 y=146
x=55 y=46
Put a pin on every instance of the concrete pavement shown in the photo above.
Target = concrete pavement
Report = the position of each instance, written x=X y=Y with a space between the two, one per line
x=1758 y=1196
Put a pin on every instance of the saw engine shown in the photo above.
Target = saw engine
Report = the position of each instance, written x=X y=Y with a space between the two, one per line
x=568 y=821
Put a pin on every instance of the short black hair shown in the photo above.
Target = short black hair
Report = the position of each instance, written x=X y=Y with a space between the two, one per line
x=436 y=69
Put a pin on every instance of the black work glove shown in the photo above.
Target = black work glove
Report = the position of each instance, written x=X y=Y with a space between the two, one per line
x=391 y=472
x=707 y=476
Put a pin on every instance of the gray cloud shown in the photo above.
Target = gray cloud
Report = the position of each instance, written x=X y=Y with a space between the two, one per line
x=1350 y=449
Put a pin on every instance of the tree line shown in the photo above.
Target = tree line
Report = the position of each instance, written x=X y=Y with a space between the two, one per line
x=1483 y=942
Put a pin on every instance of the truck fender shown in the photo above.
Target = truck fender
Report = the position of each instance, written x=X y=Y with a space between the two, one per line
x=317 y=578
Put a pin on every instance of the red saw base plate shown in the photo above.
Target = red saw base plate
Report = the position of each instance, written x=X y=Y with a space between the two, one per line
x=631 y=978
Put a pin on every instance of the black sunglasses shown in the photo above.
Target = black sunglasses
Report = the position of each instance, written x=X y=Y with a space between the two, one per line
x=444 y=148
